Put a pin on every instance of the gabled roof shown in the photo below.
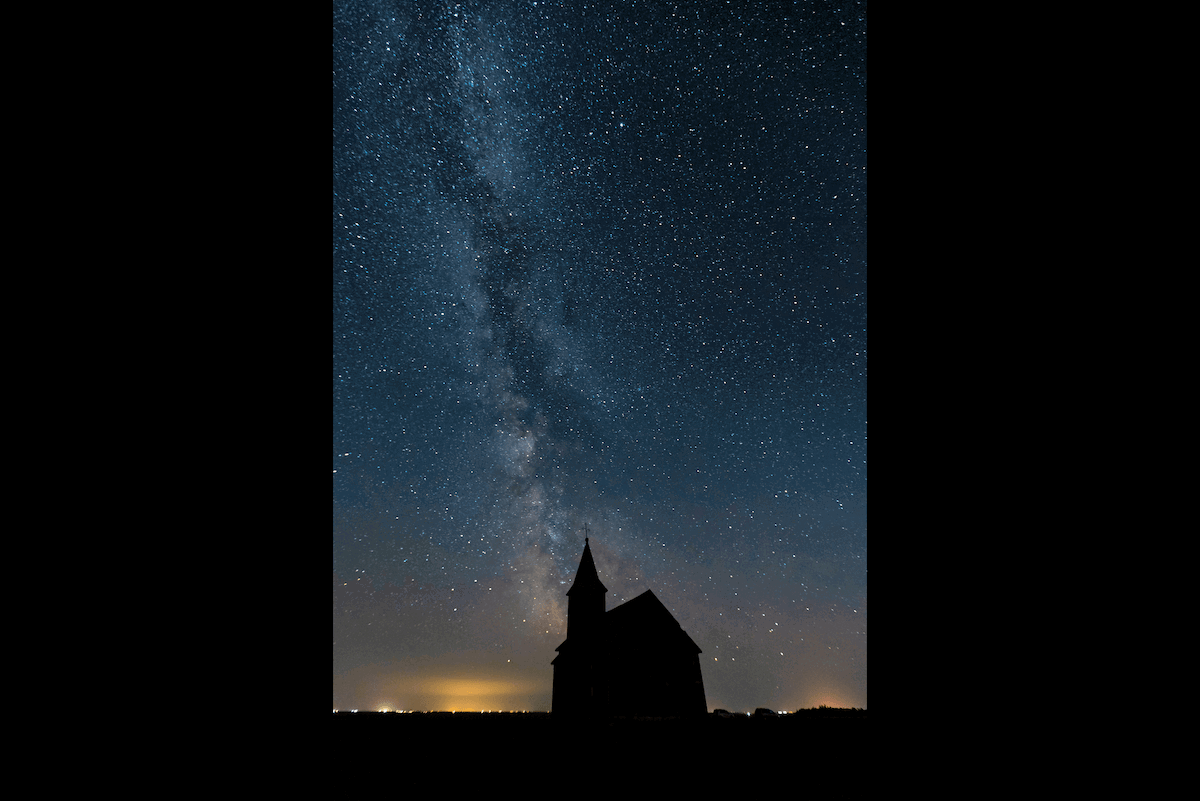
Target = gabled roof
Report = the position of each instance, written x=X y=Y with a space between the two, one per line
x=645 y=620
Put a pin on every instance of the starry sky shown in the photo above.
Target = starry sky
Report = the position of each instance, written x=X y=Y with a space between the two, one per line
x=598 y=266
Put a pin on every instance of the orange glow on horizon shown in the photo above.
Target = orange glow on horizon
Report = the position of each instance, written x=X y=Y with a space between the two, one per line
x=830 y=699
x=465 y=695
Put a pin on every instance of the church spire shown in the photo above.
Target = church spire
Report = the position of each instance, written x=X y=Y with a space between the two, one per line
x=585 y=599
x=586 y=577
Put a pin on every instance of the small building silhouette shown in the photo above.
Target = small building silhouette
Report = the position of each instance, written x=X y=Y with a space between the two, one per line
x=632 y=660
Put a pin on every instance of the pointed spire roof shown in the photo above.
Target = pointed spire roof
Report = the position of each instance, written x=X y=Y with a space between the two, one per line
x=586 y=578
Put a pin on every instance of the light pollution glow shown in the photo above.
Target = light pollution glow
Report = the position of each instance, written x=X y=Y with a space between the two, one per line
x=385 y=688
x=394 y=691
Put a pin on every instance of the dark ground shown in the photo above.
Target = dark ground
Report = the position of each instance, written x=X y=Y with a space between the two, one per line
x=514 y=738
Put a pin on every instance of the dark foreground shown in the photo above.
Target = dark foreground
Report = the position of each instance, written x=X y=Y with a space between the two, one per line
x=499 y=737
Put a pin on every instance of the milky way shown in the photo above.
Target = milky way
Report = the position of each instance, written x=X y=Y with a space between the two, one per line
x=602 y=268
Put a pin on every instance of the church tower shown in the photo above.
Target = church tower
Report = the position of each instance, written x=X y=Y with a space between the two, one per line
x=579 y=686
x=585 y=599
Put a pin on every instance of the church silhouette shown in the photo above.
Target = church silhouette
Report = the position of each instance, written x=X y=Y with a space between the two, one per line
x=633 y=660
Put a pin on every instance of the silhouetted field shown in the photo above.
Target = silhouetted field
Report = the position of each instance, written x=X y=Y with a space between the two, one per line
x=510 y=734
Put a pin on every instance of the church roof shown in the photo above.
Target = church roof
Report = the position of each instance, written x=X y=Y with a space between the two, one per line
x=641 y=623
x=586 y=578
x=644 y=620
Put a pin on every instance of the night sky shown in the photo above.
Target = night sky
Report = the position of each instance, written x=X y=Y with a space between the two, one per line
x=598 y=266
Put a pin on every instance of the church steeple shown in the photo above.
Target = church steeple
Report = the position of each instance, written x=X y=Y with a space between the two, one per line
x=585 y=599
